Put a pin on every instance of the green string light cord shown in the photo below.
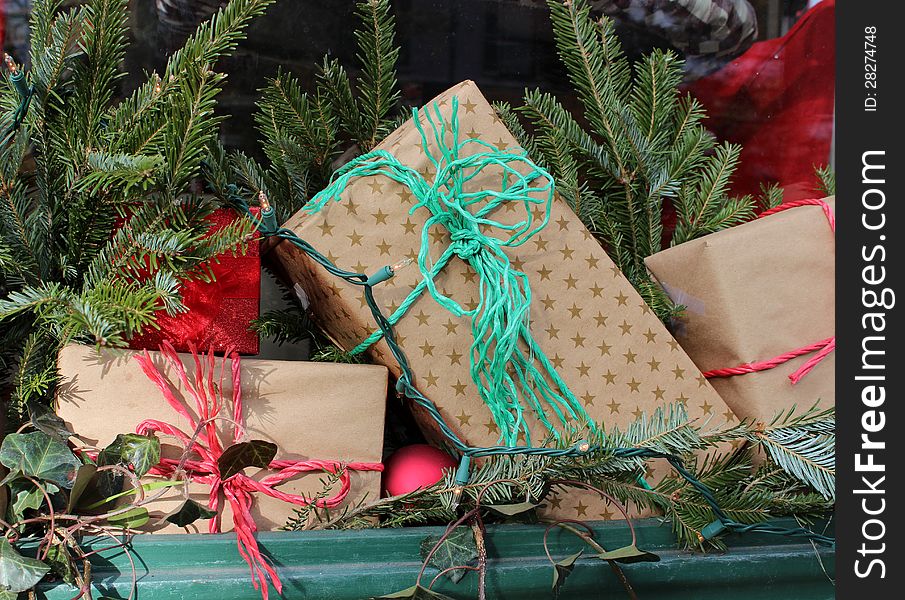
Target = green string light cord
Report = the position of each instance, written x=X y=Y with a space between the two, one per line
x=25 y=92
x=382 y=162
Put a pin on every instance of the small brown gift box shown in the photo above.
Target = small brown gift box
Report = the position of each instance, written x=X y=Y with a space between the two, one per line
x=752 y=293
x=613 y=353
x=312 y=411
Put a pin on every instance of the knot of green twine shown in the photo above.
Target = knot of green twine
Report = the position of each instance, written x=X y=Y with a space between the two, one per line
x=506 y=363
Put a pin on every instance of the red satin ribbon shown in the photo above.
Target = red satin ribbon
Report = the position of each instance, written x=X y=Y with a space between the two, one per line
x=822 y=348
x=206 y=445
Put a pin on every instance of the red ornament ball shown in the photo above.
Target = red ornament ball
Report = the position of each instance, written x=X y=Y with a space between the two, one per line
x=413 y=467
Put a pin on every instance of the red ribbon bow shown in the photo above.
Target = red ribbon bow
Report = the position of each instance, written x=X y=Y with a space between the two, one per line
x=822 y=348
x=205 y=444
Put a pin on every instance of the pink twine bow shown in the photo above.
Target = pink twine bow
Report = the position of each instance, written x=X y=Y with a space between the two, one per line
x=205 y=444
x=822 y=348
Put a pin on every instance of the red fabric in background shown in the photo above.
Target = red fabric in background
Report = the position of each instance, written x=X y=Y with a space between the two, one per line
x=2 y=23
x=776 y=100
x=221 y=311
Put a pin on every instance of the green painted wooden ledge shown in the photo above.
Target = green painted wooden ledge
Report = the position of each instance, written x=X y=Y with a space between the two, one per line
x=339 y=565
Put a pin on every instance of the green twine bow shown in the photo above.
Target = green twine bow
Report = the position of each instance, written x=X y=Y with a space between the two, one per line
x=506 y=364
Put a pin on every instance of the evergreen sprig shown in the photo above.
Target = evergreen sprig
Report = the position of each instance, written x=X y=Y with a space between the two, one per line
x=644 y=145
x=98 y=223
x=307 y=134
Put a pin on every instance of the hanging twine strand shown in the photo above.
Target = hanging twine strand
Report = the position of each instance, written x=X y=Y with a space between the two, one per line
x=822 y=348
x=506 y=363
x=210 y=407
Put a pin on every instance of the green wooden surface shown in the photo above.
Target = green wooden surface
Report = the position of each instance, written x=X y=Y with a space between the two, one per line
x=359 y=564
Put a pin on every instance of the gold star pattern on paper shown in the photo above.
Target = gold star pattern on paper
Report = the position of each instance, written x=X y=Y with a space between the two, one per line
x=384 y=248
x=707 y=407
x=380 y=217
x=472 y=134
x=438 y=235
x=406 y=195
x=581 y=509
x=729 y=415
x=423 y=318
x=702 y=381
x=376 y=186
x=673 y=345
x=604 y=348
x=575 y=311
x=578 y=340
x=552 y=332
x=469 y=106
x=454 y=358
x=556 y=360
x=464 y=419
x=563 y=224
x=626 y=327
x=633 y=385
x=548 y=302
x=621 y=299
x=650 y=336
x=571 y=282
x=682 y=399
x=469 y=276
x=592 y=261
x=596 y=290
x=355 y=238
x=658 y=393
x=544 y=272
x=588 y=398
x=610 y=377
x=326 y=229
x=451 y=328
x=409 y=226
x=601 y=319
x=351 y=207
x=431 y=379
x=427 y=349
x=541 y=244
x=678 y=372
x=614 y=406
x=583 y=369
x=501 y=144
x=629 y=357
x=359 y=267
x=566 y=253
x=491 y=427
x=459 y=387
x=518 y=264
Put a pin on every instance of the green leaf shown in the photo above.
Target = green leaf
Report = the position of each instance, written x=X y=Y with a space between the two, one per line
x=44 y=419
x=26 y=495
x=82 y=478
x=416 y=592
x=130 y=519
x=18 y=573
x=561 y=570
x=256 y=453
x=146 y=487
x=628 y=555
x=60 y=562
x=41 y=456
x=512 y=509
x=137 y=452
x=190 y=512
x=458 y=549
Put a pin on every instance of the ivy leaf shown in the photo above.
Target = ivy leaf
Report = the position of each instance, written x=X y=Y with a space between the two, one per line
x=39 y=455
x=561 y=570
x=459 y=548
x=44 y=419
x=256 y=453
x=131 y=519
x=628 y=555
x=137 y=452
x=18 y=573
x=82 y=478
x=416 y=592
x=511 y=510
x=26 y=495
x=61 y=563
x=190 y=512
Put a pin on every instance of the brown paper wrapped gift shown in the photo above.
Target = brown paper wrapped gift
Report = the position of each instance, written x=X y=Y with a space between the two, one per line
x=752 y=293
x=609 y=348
x=312 y=411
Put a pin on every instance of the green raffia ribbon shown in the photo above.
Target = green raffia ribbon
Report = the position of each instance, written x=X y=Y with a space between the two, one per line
x=506 y=363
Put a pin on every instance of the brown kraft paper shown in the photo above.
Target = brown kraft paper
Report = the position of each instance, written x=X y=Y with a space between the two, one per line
x=318 y=411
x=611 y=350
x=754 y=292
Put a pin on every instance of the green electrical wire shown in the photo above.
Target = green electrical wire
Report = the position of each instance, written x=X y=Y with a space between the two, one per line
x=382 y=162
x=25 y=92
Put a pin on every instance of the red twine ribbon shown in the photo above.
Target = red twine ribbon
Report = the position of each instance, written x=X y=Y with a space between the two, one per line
x=206 y=445
x=822 y=348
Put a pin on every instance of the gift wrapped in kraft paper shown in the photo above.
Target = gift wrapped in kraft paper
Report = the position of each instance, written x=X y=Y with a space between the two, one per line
x=760 y=308
x=318 y=414
x=608 y=358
